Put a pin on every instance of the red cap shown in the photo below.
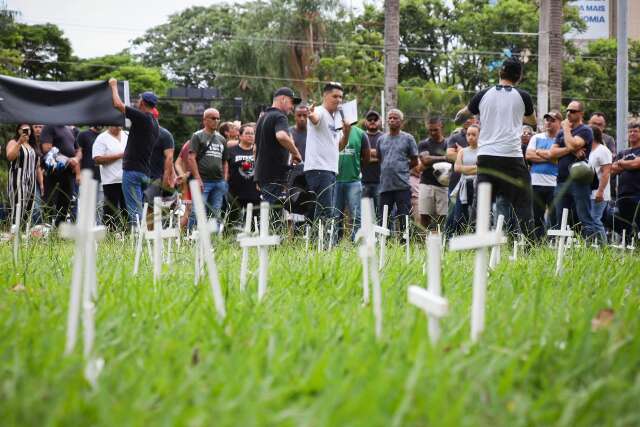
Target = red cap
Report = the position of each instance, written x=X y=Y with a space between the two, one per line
x=155 y=113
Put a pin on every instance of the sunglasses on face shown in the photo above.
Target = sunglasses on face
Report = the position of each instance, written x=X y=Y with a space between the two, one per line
x=505 y=87
x=570 y=111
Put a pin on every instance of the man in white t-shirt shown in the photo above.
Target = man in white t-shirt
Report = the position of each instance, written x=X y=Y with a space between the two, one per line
x=502 y=110
x=600 y=159
x=325 y=139
x=107 y=152
x=544 y=173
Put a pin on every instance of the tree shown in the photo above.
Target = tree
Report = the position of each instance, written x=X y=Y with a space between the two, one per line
x=46 y=52
x=10 y=57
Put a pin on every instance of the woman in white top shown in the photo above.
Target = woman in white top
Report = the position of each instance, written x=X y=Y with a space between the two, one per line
x=600 y=159
x=466 y=164
x=108 y=150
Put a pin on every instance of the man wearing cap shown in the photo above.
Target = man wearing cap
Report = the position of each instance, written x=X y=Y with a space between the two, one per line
x=573 y=145
x=544 y=173
x=273 y=145
x=137 y=155
x=208 y=157
x=324 y=142
x=371 y=170
x=502 y=109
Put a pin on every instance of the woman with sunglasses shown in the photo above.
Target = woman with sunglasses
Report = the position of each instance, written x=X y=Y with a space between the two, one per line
x=24 y=171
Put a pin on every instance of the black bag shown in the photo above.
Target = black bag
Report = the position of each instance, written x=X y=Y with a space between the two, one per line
x=299 y=199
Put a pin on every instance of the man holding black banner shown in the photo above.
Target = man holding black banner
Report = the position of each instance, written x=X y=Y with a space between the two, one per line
x=137 y=154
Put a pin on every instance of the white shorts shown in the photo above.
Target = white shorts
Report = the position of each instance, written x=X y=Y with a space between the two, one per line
x=433 y=200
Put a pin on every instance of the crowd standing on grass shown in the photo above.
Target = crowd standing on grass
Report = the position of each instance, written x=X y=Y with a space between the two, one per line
x=567 y=164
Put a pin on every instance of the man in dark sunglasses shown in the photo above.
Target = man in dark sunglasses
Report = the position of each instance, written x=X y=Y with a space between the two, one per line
x=502 y=110
x=573 y=145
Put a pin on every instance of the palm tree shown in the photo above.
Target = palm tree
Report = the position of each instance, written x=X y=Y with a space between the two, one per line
x=556 y=54
x=391 y=52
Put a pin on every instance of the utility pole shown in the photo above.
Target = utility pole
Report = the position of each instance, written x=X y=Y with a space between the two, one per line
x=622 y=76
x=556 y=52
x=543 y=60
x=391 y=52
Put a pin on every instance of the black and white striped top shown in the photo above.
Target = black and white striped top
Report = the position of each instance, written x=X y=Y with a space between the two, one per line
x=22 y=180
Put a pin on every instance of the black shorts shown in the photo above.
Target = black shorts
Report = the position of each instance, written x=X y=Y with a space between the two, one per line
x=509 y=177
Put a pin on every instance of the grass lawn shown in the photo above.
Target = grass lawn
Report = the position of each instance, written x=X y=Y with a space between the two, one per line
x=307 y=355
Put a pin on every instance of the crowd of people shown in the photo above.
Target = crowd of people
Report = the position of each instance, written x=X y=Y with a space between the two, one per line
x=534 y=175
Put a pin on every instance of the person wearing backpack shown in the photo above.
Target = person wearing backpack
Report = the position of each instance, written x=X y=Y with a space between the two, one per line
x=208 y=163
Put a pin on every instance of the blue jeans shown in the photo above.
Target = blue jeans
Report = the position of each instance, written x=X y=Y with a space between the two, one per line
x=372 y=191
x=272 y=192
x=133 y=186
x=577 y=198
x=597 y=210
x=347 y=196
x=212 y=197
x=322 y=183
x=36 y=213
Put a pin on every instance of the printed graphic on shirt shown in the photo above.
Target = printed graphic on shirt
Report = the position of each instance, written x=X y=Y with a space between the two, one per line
x=245 y=165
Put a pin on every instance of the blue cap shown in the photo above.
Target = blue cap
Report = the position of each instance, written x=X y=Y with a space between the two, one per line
x=150 y=98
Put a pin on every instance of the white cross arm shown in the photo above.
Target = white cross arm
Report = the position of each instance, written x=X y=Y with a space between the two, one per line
x=259 y=241
x=381 y=230
x=71 y=231
x=561 y=233
x=477 y=241
x=430 y=303
x=164 y=234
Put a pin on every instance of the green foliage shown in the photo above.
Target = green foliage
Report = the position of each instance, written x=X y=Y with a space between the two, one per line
x=46 y=52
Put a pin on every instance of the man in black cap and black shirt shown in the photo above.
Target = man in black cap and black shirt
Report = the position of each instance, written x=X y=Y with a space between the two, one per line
x=273 y=146
x=371 y=170
x=137 y=155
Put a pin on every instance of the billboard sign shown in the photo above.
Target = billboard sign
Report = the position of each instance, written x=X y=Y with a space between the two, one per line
x=596 y=14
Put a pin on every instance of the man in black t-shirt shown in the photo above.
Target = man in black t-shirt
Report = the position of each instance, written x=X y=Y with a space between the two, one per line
x=85 y=140
x=371 y=170
x=573 y=145
x=137 y=155
x=627 y=167
x=502 y=110
x=59 y=183
x=433 y=198
x=273 y=146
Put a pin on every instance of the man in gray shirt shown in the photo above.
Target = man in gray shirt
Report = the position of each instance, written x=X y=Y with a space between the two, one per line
x=397 y=153
x=208 y=163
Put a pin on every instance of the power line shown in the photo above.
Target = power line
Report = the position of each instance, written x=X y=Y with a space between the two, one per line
x=338 y=45
x=317 y=81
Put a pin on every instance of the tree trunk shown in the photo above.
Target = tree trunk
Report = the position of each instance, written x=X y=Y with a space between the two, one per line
x=391 y=52
x=556 y=53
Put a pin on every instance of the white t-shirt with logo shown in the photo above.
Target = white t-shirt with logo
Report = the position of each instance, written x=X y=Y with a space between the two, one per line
x=599 y=157
x=323 y=141
x=501 y=110
x=107 y=145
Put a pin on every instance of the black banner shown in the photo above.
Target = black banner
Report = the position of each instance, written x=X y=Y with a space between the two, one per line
x=59 y=103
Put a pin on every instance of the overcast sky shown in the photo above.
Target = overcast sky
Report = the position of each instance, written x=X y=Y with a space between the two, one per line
x=97 y=28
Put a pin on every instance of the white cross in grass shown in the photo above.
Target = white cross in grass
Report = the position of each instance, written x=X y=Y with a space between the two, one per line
x=367 y=252
x=481 y=240
x=430 y=300
x=158 y=235
x=244 y=263
x=562 y=234
x=262 y=242
x=205 y=229
x=494 y=258
x=384 y=232
x=83 y=281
